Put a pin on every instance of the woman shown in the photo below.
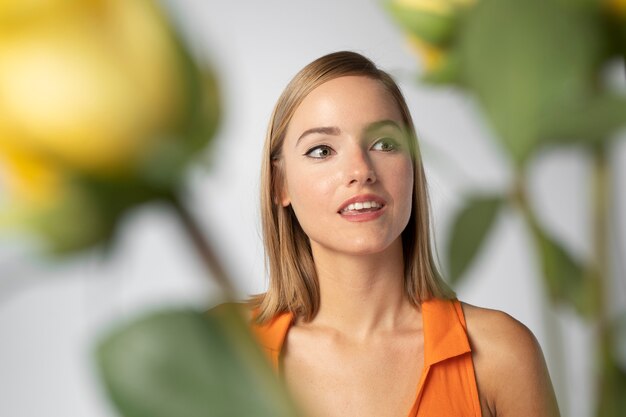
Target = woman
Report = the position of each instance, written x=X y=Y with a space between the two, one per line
x=357 y=320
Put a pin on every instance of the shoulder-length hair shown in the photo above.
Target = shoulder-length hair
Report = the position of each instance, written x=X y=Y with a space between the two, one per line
x=293 y=284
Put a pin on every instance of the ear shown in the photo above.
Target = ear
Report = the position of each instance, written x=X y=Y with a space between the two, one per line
x=281 y=194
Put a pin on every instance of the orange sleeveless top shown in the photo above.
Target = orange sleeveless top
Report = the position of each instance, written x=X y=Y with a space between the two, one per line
x=447 y=386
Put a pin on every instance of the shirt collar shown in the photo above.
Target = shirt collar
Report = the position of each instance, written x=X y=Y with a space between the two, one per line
x=272 y=334
x=444 y=331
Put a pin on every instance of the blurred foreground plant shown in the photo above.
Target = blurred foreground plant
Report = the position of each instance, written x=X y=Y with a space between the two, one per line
x=536 y=68
x=186 y=364
x=102 y=108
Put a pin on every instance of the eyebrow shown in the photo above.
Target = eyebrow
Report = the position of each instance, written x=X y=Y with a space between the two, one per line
x=382 y=123
x=325 y=130
x=335 y=131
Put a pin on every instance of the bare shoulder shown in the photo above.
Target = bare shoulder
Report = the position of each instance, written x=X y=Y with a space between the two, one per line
x=498 y=332
x=511 y=372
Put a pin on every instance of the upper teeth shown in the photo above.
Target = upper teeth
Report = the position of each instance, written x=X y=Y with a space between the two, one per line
x=363 y=205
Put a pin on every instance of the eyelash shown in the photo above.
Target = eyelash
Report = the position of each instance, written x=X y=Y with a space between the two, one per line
x=318 y=147
x=393 y=143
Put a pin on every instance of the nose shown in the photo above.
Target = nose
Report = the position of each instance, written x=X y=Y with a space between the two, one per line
x=359 y=168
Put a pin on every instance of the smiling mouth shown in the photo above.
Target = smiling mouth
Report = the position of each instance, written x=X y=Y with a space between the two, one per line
x=364 y=207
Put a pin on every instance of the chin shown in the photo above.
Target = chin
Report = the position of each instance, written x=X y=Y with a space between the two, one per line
x=358 y=248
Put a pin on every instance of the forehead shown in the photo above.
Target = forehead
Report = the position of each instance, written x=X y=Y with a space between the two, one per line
x=348 y=102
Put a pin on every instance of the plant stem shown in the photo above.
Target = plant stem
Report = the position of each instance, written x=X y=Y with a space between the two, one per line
x=553 y=332
x=203 y=246
x=601 y=205
x=600 y=209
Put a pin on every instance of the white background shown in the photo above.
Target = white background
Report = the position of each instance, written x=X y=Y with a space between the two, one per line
x=51 y=315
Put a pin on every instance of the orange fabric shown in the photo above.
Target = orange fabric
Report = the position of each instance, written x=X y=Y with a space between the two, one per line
x=447 y=386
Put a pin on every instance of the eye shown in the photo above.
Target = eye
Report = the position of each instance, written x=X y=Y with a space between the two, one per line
x=385 y=145
x=319 y=152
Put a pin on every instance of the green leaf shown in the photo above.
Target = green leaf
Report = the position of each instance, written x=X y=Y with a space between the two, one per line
x=182 y=363
x=611 y=398
x=525 y=58
x=586 y=121
x=446 y=73
x=74 y=224
x=434 y=28
x=622 y=40
x=165 y=164
x=564 y=276
x=619 y=331
x=469 y=231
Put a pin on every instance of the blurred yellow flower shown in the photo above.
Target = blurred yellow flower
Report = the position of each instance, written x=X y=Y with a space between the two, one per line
x=444 y=7
x=101 y=108
x=433 y=6
x=431 y=56
x=429 y=20
x=430 y=26
x=95 y=86
x=32 y=187
x=29 y=178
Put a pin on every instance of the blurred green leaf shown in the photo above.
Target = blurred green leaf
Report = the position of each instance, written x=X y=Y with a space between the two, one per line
x=471 y=226
x=622 y=40
x=447 y=72
x=564 y=276
x=182 y=363
x=586 y=121
x=72 y=225
x=165 y=164
x=611 y=398
x=435 y=28
x=615 y=27
x=619 y=330
x=88 y=215
x=523 y=59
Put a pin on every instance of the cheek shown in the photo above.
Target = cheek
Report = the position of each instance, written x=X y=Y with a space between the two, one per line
x=409 y=182
x=402 y=184
x=309 y=193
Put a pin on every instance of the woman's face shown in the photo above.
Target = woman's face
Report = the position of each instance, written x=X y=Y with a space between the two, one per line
x=347 y=168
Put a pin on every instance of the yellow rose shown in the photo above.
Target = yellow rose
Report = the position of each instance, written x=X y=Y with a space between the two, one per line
x=101 y=109
x=444 y=7
x=432 y=21
x=28 y=177
x=93 y=86
x=431 y=56
x=432 y=6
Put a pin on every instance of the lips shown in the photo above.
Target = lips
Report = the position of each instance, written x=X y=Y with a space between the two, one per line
x=363 y=203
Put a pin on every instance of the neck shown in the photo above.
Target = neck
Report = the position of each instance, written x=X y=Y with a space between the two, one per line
x=361 y=295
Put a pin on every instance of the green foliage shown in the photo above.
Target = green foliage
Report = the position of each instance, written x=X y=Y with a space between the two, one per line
x=447 y=72
x=182 y=363
x=612 y=401
x=165 y=165
x=526 y=61
x=432 y=27
x=77 y=222
x=586 y=122
x=564 y=276
x=536 y=69
x=619 y=329
x=471 y=226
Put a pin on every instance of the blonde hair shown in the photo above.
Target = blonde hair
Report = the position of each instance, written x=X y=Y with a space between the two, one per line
x=293 y=282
